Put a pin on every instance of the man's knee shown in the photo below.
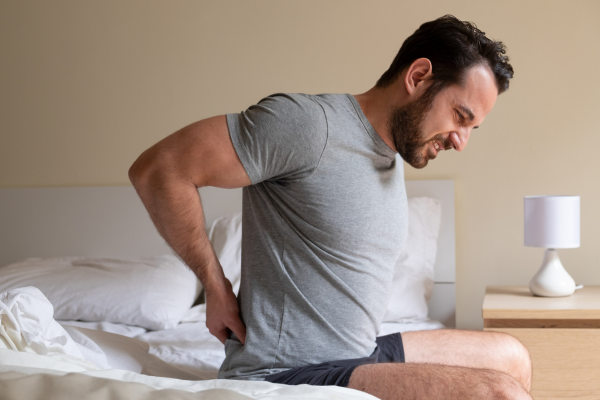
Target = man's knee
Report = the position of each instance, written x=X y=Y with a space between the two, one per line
x=504 y=386
x=516 y=356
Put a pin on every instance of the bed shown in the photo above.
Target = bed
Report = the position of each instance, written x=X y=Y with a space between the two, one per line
x=98 y=226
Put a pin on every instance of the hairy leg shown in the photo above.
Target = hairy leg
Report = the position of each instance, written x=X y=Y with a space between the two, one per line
x=473 y=349
x=395 y=381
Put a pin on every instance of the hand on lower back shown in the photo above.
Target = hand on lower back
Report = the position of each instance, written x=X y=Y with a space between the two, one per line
x=223 y=314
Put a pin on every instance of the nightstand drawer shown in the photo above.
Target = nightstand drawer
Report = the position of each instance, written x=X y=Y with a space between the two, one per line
x=564 y=360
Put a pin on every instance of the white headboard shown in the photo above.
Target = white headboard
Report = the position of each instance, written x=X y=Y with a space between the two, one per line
x=112 y=222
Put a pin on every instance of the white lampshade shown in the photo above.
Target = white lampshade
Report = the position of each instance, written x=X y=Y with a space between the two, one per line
x=552 y=221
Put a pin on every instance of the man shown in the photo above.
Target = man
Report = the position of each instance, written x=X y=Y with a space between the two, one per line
x=324 y=220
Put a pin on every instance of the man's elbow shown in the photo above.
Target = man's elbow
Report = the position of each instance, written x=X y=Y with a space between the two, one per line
x=143 y=170
x=133 y=172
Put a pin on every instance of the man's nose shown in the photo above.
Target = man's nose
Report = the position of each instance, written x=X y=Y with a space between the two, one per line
x=460 y=139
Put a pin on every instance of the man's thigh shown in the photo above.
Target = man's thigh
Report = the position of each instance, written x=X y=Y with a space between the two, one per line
x=389 y=381
x=473 y=349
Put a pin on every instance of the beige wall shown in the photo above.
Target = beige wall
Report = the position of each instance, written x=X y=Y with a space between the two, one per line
x=86 y=86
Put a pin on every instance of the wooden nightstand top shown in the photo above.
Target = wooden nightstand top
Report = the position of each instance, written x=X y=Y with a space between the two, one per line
x=516 y=302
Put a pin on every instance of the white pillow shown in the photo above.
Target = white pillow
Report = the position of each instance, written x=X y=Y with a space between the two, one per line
x=151 y=292
x=412 y=283
x=413 y=273
x=225 y=236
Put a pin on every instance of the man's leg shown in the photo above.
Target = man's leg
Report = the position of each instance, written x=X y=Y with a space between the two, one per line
x=395 y=381
x=473 y=349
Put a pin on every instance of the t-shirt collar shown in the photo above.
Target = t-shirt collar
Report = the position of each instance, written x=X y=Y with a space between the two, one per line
x=381 y=145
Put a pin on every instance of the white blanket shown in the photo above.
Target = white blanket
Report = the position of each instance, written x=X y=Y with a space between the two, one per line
x=26 y=376
x=27 y=325
x=39 y=360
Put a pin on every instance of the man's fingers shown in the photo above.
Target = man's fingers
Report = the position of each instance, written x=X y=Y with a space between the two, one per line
x=223 y=314
x=221 y=335
x=238 y=327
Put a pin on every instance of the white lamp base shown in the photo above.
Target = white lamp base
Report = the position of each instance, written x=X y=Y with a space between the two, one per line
x=552 y=280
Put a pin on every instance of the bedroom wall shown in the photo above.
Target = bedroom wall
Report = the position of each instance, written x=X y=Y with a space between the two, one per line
x=87 y=86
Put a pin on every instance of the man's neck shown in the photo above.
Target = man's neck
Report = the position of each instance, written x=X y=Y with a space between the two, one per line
x=377 y=105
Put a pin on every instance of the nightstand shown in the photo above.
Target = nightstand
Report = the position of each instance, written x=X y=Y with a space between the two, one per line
x=562 y=335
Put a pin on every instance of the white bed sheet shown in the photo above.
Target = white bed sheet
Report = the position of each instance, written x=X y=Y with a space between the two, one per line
x=111 y=327
x=190 y=352
x=27 y=376
x=410 y=326
x=180 y=360
x=191 y=348
x=187 y=352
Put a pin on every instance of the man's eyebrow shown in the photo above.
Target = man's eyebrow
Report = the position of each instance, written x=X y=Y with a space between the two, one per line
x=468 y=111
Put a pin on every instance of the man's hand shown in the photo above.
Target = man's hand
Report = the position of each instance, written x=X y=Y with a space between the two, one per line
x=223 y=313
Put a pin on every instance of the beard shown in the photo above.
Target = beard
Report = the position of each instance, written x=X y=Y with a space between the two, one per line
x=406 y=127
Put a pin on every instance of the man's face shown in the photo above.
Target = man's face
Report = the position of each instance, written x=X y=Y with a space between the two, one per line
x=443 y=120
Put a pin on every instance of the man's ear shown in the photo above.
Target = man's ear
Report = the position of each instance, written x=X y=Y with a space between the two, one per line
x=418 y=72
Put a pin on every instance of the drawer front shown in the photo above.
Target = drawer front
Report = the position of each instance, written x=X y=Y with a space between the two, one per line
x=566 y=362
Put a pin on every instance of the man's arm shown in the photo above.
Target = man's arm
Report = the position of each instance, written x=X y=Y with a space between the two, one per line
x=166 y=177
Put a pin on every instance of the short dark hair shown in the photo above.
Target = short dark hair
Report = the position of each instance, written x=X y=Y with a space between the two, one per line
x=453 y=46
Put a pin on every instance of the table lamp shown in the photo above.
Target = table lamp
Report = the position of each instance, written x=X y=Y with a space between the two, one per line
x=552 y=222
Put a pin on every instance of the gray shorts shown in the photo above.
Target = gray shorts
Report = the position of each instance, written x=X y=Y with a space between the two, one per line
x=389 y=349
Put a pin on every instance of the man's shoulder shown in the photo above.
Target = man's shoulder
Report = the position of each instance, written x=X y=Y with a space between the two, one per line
x=306 y=100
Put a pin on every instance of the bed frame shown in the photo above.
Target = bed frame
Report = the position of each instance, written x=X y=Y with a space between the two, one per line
x=112 y=222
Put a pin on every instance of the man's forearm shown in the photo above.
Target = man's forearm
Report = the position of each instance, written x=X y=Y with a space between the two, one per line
x=176 y=210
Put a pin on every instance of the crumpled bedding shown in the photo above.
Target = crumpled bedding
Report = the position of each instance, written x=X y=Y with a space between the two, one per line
x=27 y=376
x=27 y=325
x=105 y=326
x=189 y=347
x=40 y=360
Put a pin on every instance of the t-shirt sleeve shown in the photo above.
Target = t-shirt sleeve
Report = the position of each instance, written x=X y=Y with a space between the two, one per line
x=281 y=138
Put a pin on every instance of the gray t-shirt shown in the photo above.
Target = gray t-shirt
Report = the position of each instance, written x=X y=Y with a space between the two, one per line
x=324 y=222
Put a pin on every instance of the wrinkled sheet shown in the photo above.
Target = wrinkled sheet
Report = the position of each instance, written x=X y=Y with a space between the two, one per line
x=105 y=326
x=27 y=376
x=409 y=326
x=189 y=347
x=27 y=325
x=190 y=352
x=40 y=360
